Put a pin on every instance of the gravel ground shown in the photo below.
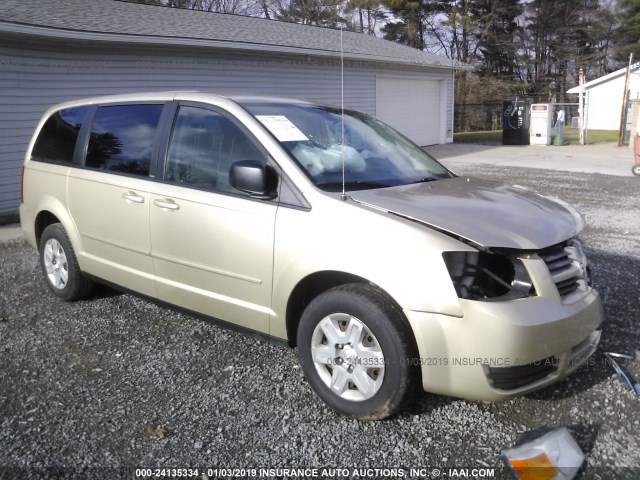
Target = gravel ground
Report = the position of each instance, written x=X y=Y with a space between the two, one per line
x=95 y=386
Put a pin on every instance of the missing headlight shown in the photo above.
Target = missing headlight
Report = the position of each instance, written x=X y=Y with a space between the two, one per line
x=488 y=276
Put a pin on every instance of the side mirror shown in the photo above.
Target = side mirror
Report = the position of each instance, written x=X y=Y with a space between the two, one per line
x=255 y=178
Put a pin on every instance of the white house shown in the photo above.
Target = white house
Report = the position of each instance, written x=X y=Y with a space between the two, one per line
x=60 y=50
x=604 y=96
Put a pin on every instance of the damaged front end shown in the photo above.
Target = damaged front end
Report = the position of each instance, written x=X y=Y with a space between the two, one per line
x=501 y=274
x=532 y=316
x=488 y=276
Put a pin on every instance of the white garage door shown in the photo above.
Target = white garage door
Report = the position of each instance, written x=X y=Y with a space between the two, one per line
x=410 y=106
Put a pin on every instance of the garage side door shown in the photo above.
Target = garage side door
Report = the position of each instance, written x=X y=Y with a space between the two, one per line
x=410 y=106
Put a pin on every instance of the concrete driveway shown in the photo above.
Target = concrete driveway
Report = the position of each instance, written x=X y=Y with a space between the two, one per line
x=605 y=158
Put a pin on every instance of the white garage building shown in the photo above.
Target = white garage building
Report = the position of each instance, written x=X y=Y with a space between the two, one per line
x=60 y=50
x=603 y=97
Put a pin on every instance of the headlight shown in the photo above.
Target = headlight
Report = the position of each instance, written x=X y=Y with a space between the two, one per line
x=488 y=276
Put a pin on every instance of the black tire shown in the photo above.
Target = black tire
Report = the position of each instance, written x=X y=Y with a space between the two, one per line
x=636 y=169
x=391 y=334
x=60 y=266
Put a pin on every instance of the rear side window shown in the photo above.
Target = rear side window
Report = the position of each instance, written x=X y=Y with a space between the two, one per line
x=57 y=139
x=122 y=138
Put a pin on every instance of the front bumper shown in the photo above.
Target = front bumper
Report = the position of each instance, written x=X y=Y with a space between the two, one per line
x=499 y=350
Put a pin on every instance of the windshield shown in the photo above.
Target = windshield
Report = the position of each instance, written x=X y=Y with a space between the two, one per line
x=374 y=155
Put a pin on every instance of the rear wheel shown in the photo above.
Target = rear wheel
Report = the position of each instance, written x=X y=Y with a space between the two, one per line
x=636 y=169
x=356 y=348
x=60 y=267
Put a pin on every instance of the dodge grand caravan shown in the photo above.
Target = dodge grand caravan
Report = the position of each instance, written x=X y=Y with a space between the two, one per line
x=321 y=228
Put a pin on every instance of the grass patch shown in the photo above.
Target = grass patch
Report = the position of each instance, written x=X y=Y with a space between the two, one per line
x=571 y=135
x=487 y=136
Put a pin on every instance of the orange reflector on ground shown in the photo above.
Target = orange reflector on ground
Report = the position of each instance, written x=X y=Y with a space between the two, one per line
x=553 y=456
x=535 y=468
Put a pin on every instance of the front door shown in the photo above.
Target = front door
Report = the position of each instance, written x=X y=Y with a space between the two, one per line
x=212 y=246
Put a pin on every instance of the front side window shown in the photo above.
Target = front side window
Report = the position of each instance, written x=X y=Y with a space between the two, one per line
x=203 y=146
x=122 y=138
x=57 y=139
x=323 y=141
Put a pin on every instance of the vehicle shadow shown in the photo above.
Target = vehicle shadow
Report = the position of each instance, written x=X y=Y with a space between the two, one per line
x=100 y=291
x=423 y=403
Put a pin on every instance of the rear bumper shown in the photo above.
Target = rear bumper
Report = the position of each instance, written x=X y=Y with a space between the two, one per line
x=499 y=350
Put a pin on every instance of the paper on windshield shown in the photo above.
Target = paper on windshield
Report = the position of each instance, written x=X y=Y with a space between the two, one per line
x=283 y=129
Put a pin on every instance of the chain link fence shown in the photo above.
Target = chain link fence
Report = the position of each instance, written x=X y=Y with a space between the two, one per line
x=486 y=116
x=474 y=117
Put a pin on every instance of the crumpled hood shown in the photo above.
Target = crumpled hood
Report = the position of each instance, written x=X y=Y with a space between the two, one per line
x=485 y=212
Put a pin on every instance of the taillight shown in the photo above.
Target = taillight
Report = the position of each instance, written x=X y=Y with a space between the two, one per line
x=22 y=187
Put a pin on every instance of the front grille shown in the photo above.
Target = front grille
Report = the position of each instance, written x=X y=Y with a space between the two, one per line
x=567 y=266
x=565 y=287
x=511 y=378
x=556 y=258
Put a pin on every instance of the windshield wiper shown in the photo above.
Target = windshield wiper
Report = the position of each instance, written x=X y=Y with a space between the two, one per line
x=426 y=179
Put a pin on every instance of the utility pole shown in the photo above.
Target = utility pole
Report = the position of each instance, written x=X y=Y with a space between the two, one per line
x=625 y=100
x=581 y=105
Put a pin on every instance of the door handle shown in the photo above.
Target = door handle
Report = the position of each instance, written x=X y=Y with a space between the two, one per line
x=167 y=204
x=133 y=197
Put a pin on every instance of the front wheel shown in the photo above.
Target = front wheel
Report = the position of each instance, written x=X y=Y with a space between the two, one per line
x=60 y=267
x=356 y=347
x=636 y=169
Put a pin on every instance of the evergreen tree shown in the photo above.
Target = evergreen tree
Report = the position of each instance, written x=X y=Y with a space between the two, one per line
x=496 y=34
x=367 y=14
x=321 y=13
x=558 y=40
x=628 y=33
x=409 y=28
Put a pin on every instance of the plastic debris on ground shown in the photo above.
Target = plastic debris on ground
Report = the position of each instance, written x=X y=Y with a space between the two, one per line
x=620 y=370
x=552 y=456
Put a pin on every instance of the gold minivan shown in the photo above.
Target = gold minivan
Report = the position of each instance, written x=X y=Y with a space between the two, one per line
x=318 y=227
